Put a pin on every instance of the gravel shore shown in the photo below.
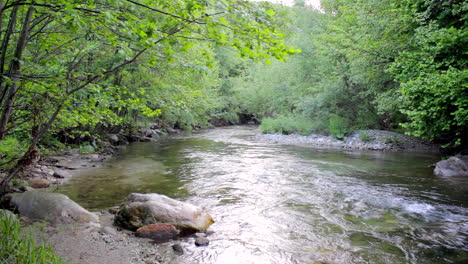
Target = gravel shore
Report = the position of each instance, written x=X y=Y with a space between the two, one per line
x=380 y=140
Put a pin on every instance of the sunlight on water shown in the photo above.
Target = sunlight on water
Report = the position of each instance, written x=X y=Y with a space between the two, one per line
x=283 y=204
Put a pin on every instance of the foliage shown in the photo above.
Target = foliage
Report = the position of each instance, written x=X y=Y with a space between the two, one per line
x=10 y=149
x=287 y=125
x=338 y=126
x=19 y=246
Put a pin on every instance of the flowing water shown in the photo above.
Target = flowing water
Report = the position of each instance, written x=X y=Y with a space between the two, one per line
x=290 y=204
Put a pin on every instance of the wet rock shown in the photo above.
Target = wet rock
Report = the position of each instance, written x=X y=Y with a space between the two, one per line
x=158 y=232
x=143 y=209
x=452 y=167
x=177 y=247
x=201 y=241
x=53 y=207
x=62 y=174
x=39 y=183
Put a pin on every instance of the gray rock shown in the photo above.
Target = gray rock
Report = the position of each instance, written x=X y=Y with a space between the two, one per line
x=113 y=138
x=62 y=174
x=53 y=207
x=39 y=183
x=201 y=241
x=452 y=167
x=143 y=209
x=146 y=132
x=7 y=214
x=177 y=247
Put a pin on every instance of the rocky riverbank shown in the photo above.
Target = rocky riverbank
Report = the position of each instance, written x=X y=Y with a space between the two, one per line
x=80 y=236
x=360 y=140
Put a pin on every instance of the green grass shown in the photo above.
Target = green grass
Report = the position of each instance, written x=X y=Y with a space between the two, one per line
x=19 y=246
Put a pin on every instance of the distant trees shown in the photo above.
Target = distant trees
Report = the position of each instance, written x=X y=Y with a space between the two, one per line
x=389 y=64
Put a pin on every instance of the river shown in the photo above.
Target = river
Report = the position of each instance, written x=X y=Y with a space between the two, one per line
x=282 y=204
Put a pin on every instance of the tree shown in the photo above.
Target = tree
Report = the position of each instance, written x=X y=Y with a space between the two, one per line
x=68 y=51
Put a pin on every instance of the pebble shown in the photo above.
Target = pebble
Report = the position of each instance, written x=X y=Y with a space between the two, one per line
x=178 y=248
x=201 y=241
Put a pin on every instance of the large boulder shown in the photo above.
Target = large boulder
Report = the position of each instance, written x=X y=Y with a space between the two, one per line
x=144 y=209
x=452 y=167
x=53 y=207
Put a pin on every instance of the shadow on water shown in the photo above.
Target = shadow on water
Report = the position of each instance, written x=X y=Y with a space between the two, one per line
x=291 y=204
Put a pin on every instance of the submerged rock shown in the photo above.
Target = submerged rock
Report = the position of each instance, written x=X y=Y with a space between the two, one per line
x=158 y=232
x=53 y=207
x=143 y=209
x=452 y=167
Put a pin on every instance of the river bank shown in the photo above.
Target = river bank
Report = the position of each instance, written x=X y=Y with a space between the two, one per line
x=378 y=140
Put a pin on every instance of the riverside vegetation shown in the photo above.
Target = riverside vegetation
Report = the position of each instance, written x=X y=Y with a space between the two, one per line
x=73 y=72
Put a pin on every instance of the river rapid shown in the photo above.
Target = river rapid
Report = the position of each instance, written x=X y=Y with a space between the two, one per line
x=283 y=204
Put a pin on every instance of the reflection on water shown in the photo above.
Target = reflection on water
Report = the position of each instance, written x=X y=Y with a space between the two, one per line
x=285 y=204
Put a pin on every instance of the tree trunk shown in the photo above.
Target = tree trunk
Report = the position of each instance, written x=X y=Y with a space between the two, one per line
x=15 y=72
x=4 y=49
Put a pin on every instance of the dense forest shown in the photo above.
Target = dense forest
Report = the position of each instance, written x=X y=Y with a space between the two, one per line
x=74 y=71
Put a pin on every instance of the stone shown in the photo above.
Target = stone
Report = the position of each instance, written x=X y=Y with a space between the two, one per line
x=158 y=232
x=113 y=138
x=201 y=241
x=177 y=247
x=52 y=207
x=39 y=183
x=452 y=167
x=143 y=209
x=62 y=174
x=145 y=132
x=7 y=214
x=144 y=139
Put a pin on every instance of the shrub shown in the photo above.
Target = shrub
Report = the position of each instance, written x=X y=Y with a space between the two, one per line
x=391 y=139
x=365 y=137
x=338 y=126
x=287 y=125
x=18 y=246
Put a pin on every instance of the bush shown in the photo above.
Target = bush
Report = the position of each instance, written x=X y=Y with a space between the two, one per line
x=365 y=137
x=287 y=125
x=338 y=126
x=19 y=247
